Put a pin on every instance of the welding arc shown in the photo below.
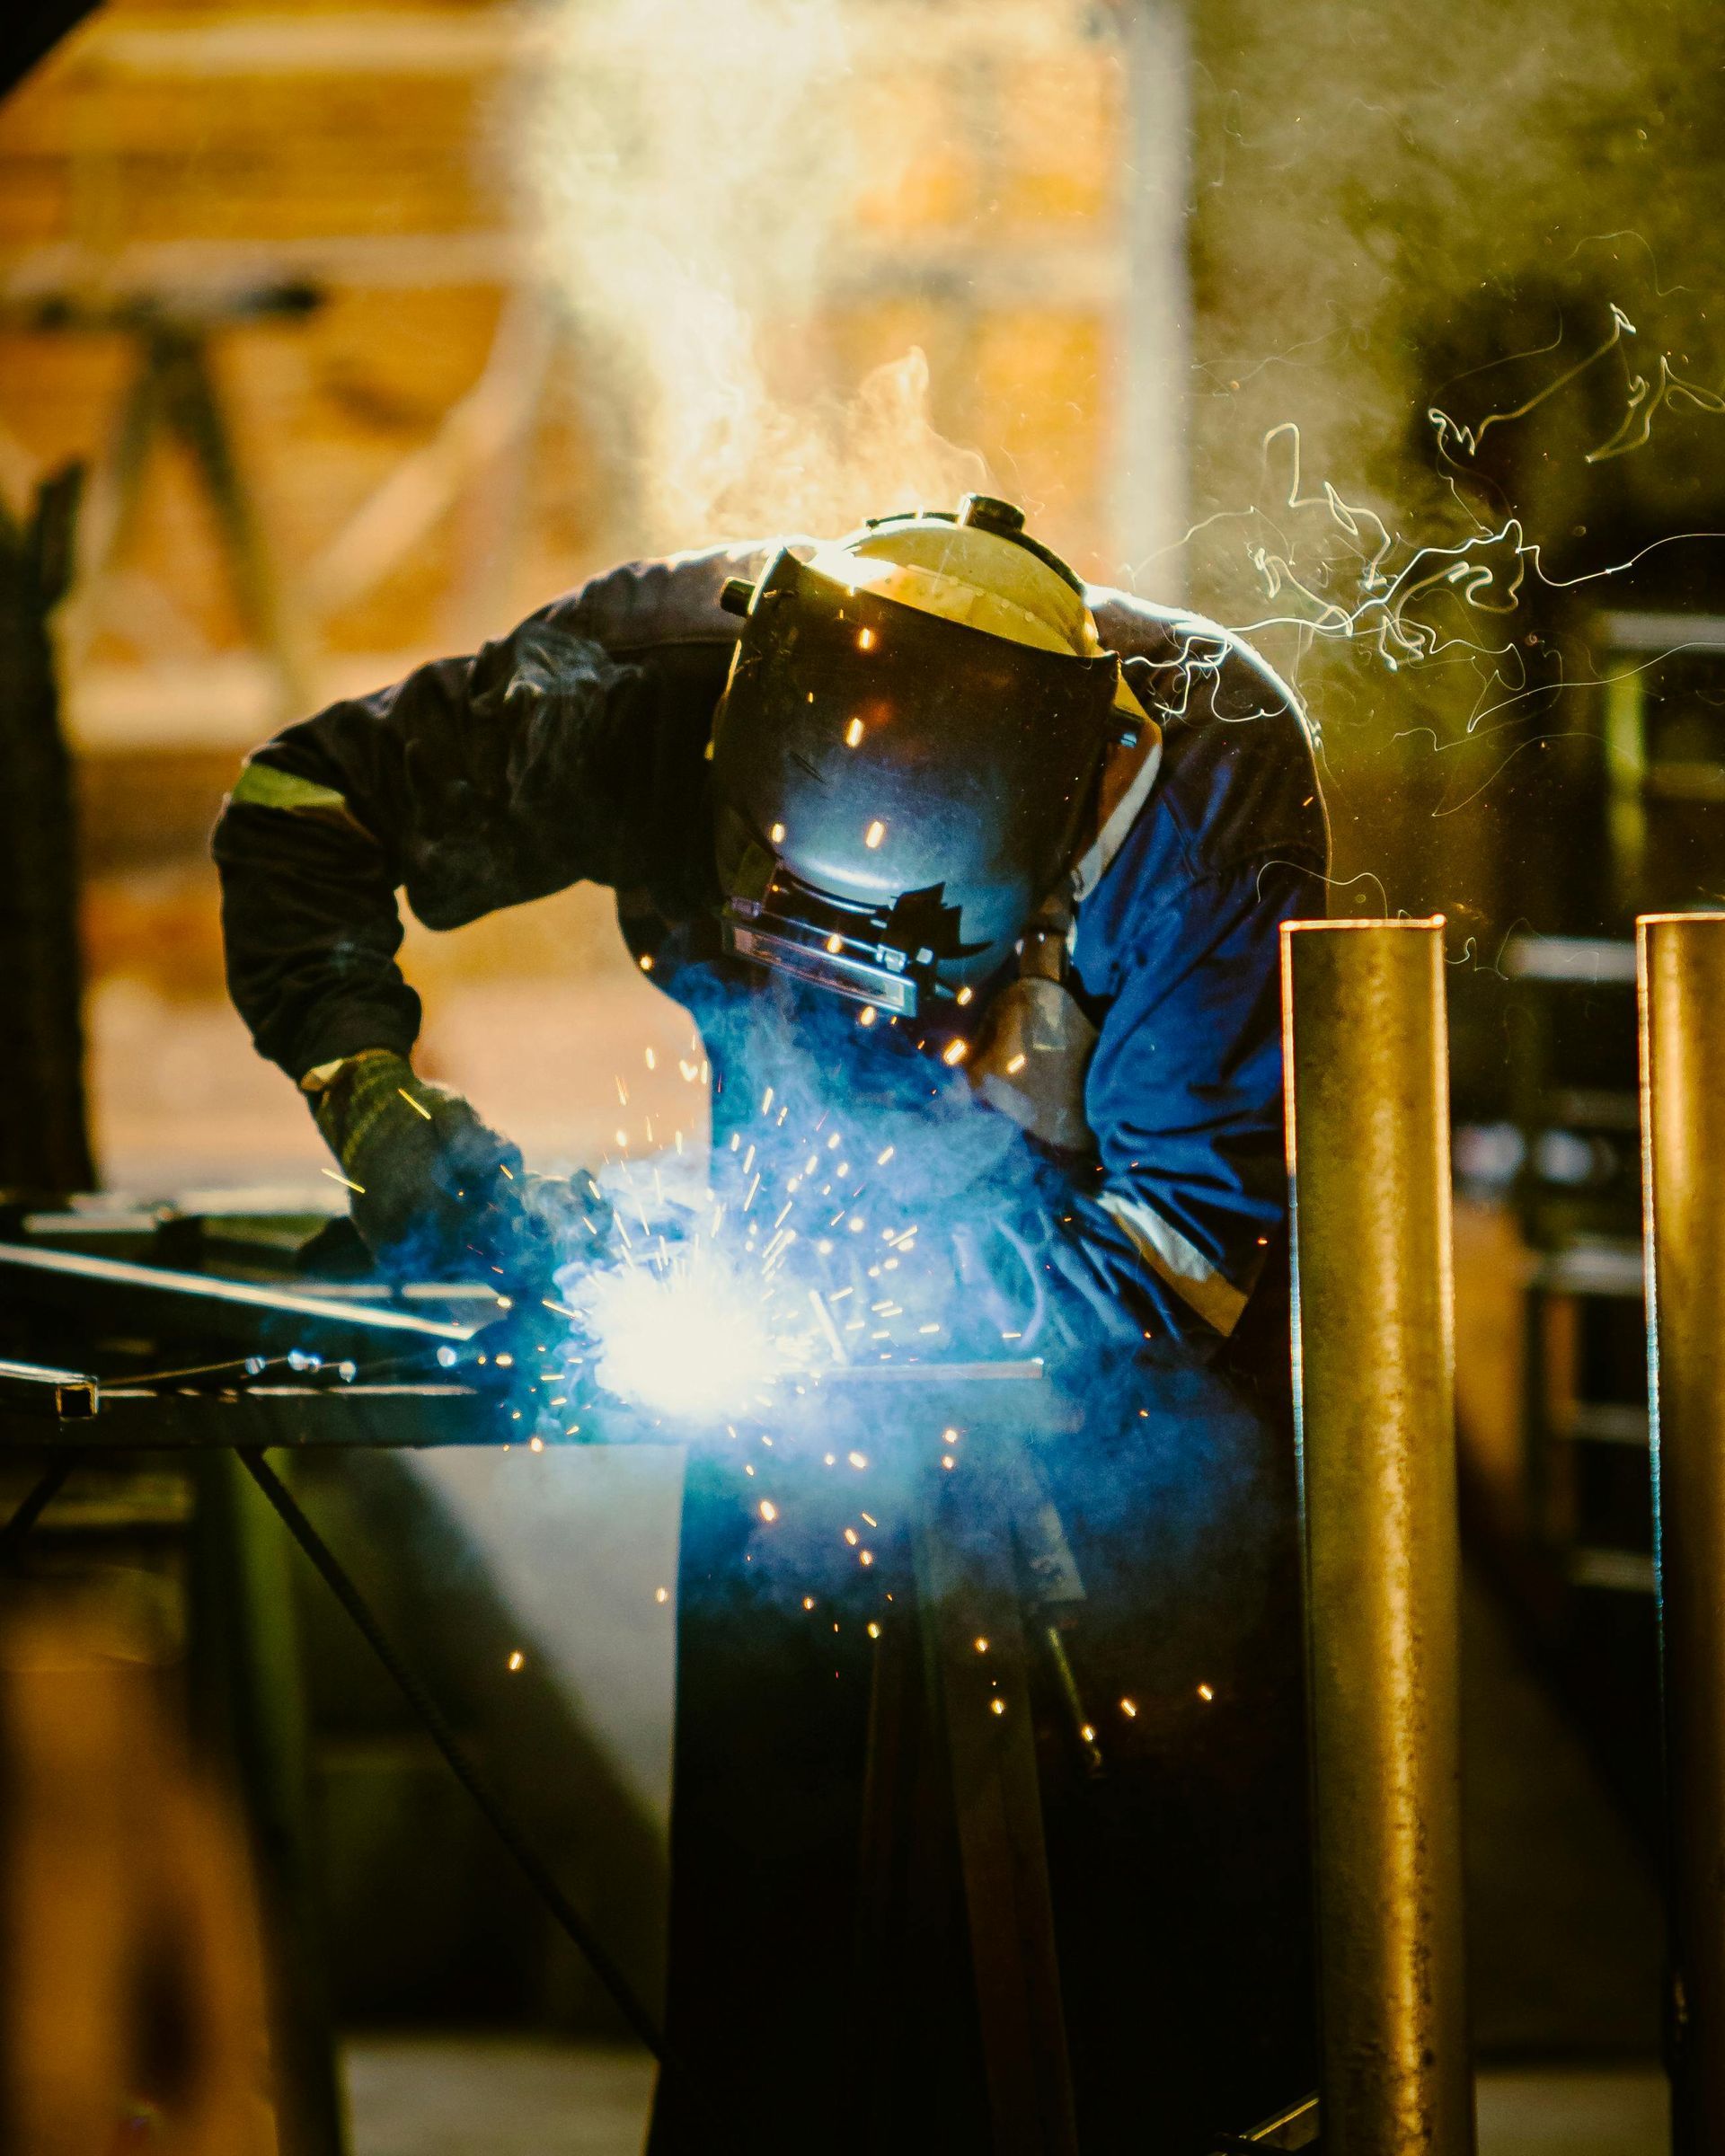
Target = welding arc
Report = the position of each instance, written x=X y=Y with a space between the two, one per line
x=35 y=1502
x=533 y=1867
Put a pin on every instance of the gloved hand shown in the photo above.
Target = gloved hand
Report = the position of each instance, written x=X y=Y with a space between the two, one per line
x=435 y=1190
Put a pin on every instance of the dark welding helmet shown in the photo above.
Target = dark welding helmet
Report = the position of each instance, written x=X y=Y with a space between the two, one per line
x=910 y=737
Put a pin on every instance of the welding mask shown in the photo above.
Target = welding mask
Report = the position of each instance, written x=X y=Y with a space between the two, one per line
x=906 y=748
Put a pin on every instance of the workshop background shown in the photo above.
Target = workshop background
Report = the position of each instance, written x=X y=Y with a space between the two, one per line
x=1389 y=335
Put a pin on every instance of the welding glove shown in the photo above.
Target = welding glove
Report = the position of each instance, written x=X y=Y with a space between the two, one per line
x=435 y=1190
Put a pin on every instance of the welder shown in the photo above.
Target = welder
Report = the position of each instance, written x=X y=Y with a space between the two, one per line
x=922 y=801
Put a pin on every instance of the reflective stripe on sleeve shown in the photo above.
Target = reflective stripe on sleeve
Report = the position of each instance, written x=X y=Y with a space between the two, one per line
x=1184 y=1268
x=264 y=786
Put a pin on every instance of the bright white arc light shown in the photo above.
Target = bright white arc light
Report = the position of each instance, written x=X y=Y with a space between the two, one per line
x=692 y=1345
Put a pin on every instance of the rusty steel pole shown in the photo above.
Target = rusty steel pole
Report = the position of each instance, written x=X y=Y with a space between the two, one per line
x=1368 y=1157
x=1681 y=964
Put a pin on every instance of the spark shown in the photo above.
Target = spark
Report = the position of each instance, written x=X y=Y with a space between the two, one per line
x=1129 y=1708
x=769 y=1510
x=1206 y=1692
x=996 y=1706
x=346 y=1179
x=661 y=1593
x=866 y=1016
x=853 y=734
x=777 y=834
x=875 y=832
x=645 y=963
x=954 y=1053
x=865 y=640
x=419 y=1107
x=515 y=1660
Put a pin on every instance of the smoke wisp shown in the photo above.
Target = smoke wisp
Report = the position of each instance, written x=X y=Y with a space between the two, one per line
x=691 y=167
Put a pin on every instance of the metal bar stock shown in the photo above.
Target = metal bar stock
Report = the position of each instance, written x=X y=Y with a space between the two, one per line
x=1682 y=975
x=1367 y=1136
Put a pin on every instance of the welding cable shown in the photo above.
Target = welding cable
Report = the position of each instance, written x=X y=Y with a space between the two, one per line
x=35 y=1502
x=537 y=1873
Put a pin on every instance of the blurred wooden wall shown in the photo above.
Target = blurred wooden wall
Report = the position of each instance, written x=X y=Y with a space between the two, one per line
x=310 y=215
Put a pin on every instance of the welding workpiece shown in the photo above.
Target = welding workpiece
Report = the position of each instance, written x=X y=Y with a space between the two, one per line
x=1681 y=966
x=1368 y=1157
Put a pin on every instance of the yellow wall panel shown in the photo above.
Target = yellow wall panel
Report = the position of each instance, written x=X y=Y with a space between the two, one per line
x=1059 y=124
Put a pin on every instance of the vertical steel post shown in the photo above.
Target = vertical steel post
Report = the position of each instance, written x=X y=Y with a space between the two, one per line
x=1368 y=1157
x=1681 y=963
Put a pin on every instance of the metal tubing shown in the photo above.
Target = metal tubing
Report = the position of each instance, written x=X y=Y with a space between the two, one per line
x=376 y=1418
x=1681 y=971
x=205 y=1302
x=1368 y=1158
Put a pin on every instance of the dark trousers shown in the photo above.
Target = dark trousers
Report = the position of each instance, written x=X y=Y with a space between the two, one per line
x=819 y=1986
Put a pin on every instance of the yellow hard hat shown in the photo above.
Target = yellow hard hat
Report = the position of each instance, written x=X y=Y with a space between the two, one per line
x=982 y=569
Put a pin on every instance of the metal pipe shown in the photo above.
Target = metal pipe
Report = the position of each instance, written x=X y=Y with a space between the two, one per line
x=1681 y=965
x=204 y=1302
x=1369 y=1159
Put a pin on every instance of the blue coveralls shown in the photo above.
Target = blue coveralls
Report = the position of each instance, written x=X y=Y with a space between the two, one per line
x=1151 y=1275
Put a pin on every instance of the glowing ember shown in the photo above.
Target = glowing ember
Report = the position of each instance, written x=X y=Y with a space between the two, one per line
x=875 y=832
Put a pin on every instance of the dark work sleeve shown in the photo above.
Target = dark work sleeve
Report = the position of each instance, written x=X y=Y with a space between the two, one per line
x=472 y=784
